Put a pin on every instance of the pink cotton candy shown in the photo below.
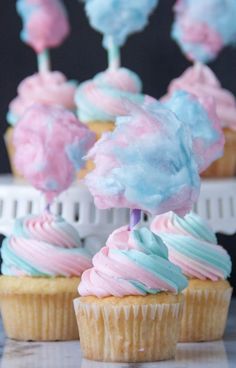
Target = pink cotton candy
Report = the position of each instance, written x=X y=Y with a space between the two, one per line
x=49 y=145
x=45 y=23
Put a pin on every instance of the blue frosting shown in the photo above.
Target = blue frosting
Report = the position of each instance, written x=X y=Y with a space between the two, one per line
x=189 y=110
x=119 y=18
x=218 y=15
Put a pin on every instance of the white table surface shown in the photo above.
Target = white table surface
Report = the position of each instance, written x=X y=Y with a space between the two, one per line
x=218 y=354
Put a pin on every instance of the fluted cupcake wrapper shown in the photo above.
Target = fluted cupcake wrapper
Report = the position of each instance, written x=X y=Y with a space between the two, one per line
x=204 y=314
x=39 y=317
x=128 y=333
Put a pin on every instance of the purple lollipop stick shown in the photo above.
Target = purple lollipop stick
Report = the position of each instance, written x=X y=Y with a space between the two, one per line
x=135 y=217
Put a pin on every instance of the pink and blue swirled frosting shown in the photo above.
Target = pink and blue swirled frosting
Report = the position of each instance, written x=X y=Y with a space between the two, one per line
x=133 y=263
x=193 y=246
x=102 y=98
x=44 y=245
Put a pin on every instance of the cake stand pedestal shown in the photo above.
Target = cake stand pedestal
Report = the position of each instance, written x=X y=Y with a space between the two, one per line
x=216 y=204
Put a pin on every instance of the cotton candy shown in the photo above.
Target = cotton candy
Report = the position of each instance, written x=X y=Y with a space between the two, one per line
x=118 y=18
x=146 y=163
x=45 y=23
x=203 y=27
x=200 y=116
x=49 y=146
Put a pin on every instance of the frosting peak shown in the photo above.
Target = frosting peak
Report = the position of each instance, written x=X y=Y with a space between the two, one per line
x=193 y=246
x=133 y=263
x=44 y=245
x=202 y=82
x=101 y=99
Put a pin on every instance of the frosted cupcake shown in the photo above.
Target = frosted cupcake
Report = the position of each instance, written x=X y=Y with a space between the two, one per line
x=193 y=246
x=42 y=263
x=43 y=258
x=131 y=296
x=202 y=82
x=129 y=299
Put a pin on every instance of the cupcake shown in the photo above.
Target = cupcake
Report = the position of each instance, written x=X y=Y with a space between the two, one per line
x=49 y=88
x=202 y=82
x=193 y=246
x=42 y=263
x=43 y=258
x=129 y=299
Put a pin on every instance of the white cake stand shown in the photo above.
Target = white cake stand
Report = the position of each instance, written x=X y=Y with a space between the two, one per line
x=217 y=204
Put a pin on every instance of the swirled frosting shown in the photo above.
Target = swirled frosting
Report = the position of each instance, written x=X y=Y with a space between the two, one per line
x=202 y=82
x=193 y=246
x=133 y=263
x=44 y=246
x=50 y=88
x=101 y=99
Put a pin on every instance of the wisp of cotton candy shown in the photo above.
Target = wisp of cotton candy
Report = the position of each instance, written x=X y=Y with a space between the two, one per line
x=118 y=18
x=50 y=144
x=203 y=27
x=200 y=116
x=146 y=163
x=45 y=23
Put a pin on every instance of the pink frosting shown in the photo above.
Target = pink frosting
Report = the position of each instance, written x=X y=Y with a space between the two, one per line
x=50 y=144
x=202 y=82
x=51 y=88
x=46 y=24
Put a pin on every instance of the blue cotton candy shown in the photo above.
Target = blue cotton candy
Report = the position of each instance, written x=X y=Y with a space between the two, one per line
x=146 y=162
x=207 y=135
x=119 y=18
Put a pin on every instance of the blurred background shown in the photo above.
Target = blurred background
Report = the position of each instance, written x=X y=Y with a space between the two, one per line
x=152 y=54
